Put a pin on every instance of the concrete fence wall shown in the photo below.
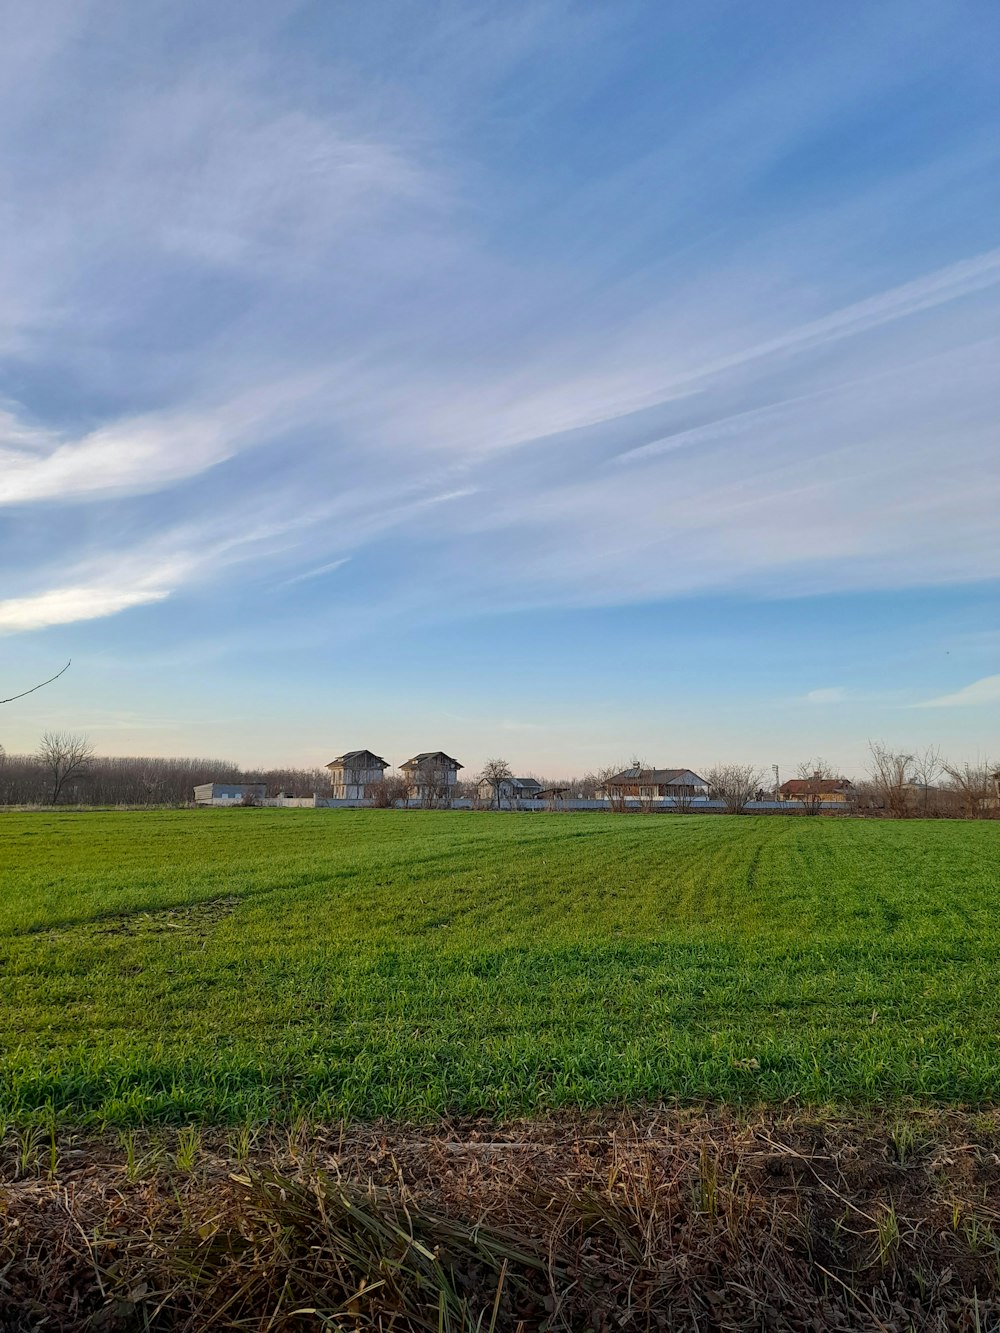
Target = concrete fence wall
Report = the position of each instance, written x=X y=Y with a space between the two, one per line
x=634 y=805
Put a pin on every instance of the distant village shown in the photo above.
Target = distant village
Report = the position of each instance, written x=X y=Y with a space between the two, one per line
x=430 y=780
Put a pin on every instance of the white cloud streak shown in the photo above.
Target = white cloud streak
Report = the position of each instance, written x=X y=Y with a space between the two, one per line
x=835 y=694
x=63 y=606
x=141 y=454
x=977 y=695
x=320 y=279
x=316 y=573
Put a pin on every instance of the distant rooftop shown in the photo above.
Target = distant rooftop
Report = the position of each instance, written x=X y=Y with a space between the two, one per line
x=358 y=759
x=431 y=757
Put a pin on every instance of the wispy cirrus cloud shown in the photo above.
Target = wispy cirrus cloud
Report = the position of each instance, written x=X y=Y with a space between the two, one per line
x=316 y=573
x=142 y=454
x=979 y=694
x=64 y=606
x=476 y=316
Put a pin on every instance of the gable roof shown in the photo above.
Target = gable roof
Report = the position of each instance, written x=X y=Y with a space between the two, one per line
x=358 y=759
x=519 y=784
x=658 y=777
x=814 y=786
x=431 y=757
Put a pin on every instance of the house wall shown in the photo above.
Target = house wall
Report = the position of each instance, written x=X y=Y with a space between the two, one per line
x=443 y=777
x=227 y=793
x=352 y=784
x=828 y=798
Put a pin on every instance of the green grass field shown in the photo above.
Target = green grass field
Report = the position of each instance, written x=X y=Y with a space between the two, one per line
x=231 y=965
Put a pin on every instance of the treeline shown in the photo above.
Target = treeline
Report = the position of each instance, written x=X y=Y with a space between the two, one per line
x=65 y=770
x=38 y=779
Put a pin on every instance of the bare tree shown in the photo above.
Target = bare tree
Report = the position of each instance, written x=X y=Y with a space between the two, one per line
x=973 y=787
x=814 y=772
x=388 y=791
x=734 y=785
x=430 y=782
x=927 y=769
x=38 y=686
x=644 y=784
x=63 y=757
x=891 y=774
x=681 y=796
x=615 y=793
x=496 y=772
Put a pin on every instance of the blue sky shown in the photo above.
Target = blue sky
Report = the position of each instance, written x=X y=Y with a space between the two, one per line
x=559 y=381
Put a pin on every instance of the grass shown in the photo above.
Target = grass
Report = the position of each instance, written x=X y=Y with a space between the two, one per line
x=237 y=966
x=684 y=1219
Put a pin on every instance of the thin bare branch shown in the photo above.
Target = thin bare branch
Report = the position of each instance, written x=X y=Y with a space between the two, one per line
x=41 y=685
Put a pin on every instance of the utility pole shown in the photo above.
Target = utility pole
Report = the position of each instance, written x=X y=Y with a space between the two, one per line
x=776 y=781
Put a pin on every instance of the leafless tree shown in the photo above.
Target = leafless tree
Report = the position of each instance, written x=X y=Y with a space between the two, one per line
x=681 y=796
x=644 y=784
x=891 y=774
x=927 y=769
x=973 y=787
x=63 y=758
x=615 y=794
x=734 y=785
x=430 y=781
x=496 y=772
x=38 y=686
x=388 y=791
x=815 y=772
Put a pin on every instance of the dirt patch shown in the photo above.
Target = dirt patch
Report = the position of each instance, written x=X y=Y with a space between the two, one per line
x=660 y=1219
x=192 y=919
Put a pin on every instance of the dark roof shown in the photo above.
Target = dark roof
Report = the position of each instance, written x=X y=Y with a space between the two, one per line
x=659 y=777
x=431 y=756
x=526 y=782
x=813 y=786
x=357 y=757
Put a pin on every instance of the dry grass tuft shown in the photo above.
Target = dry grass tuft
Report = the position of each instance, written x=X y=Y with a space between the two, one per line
x=652 y=1220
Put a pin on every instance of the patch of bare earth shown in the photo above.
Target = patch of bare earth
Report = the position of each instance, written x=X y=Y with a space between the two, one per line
x=654 y=1219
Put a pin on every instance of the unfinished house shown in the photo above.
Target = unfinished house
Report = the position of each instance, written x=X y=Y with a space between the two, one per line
x=431 y=776
x=354 y=775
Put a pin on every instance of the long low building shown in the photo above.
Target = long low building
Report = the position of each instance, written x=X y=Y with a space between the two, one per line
x=656 y=783
x=230 y=793
x=509 y=789
x=828 y=791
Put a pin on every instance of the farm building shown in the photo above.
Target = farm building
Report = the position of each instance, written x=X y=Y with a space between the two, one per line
x=832 y=791
x=229 y=793
x=431 y=775
x=511 y=789
x=656 y=783
x=353 y=775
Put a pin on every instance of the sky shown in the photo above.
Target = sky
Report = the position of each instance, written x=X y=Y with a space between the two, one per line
x=560 y=382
